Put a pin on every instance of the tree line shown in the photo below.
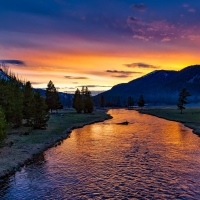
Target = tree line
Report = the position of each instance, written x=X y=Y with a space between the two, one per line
x=129 y=102
x=21 y=105
x=182 y=100
x=83 y=101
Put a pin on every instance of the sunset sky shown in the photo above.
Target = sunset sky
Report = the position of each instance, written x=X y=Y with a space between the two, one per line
x=97 y=43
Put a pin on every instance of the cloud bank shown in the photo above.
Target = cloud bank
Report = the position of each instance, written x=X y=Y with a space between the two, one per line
x=75 y=77
x=141 y=65
x=13 y=62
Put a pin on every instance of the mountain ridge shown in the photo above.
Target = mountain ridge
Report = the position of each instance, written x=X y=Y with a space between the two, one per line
x=158 y=87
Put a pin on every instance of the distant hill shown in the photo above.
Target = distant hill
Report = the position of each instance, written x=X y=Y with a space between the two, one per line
x=157 y=87
x=66 y=99
x=3 y=75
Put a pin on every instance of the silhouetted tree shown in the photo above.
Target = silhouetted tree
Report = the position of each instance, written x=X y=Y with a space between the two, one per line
x=141 y=101
x=77 y=101
x=40 y=113
x=28 y=105
x=117 y=101
x=130 y=101
x=11 y=98
x=102 y=102
x=183 y=99
x=83 y=101
x=88 y=102
x=3 y=125
x=52 y=98
x=18 y=102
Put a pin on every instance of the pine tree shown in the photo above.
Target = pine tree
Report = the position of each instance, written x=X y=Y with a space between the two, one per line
x=28 y=103
x=3 y=125
x=77 y=101
x=11 y=102
x=40 y=114
x=52 y=98
x=141 y=101
x=83 y=101
x=18 y=105
x=102 y=101
x=183 y=99
x=130 y=101
x=88 y=102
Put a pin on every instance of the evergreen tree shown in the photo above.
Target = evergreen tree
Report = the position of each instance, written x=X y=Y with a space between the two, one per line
x=83 y=101
x=18 y=104
x=40 y=114
x=77 y=101
x=117 y=101
x=3 y=125
x=28 y=103
x=83 y=91
x=18 y=101
x=6 y=99
x=130 y=101
x=52 y=98
x=141 y=101
x=182 y=99
x=88 y=102
x=11 y=101
x=102 y=103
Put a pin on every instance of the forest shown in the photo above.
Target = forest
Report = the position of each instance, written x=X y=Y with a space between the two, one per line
x=21 y=105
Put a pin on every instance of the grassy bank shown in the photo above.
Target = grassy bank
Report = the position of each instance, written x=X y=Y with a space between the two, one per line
x=190 y=116
x=23 y=145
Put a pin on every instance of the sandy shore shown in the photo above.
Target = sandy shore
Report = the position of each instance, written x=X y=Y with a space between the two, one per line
x=22 y=147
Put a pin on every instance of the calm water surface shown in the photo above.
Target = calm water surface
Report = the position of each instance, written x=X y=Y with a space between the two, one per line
x=150 y=158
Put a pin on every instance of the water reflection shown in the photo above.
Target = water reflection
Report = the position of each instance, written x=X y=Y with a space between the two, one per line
x=149 y=158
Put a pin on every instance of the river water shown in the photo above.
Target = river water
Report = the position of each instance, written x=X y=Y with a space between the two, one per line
x=150 y=158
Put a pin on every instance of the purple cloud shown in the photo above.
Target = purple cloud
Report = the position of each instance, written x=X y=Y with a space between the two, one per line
x=75 y=77
x=141 y=65
x=13 y=62
x=122 y=74
x=192 y=10
x=131 y=20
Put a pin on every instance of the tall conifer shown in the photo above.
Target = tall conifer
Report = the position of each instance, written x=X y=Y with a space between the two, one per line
x=141 y=101
x=28 y=102
x=40 y=114
x=182 y=100
x=77 y=101
x=52 y=98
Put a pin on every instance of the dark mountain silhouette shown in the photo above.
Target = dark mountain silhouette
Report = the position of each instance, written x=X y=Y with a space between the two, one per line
x=157 y=87
x=65 y=99
x=3 y=75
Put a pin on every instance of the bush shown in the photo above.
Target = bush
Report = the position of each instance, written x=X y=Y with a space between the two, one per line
x=3 y=125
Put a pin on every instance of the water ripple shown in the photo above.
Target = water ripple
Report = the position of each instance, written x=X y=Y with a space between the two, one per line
x=150 y=158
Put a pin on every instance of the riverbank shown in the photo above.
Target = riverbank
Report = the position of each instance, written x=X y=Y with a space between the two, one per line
x=190 y=116
x=23 y=145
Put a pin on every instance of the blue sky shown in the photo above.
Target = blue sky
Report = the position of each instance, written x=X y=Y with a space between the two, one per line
x=106 y=42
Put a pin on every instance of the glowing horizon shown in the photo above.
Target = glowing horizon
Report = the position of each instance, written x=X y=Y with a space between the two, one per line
x=97 y=44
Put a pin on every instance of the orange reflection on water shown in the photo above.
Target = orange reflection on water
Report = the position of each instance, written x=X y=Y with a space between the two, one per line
x=150 y=158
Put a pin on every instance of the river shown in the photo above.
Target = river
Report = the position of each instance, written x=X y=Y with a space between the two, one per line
x=150 y=158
